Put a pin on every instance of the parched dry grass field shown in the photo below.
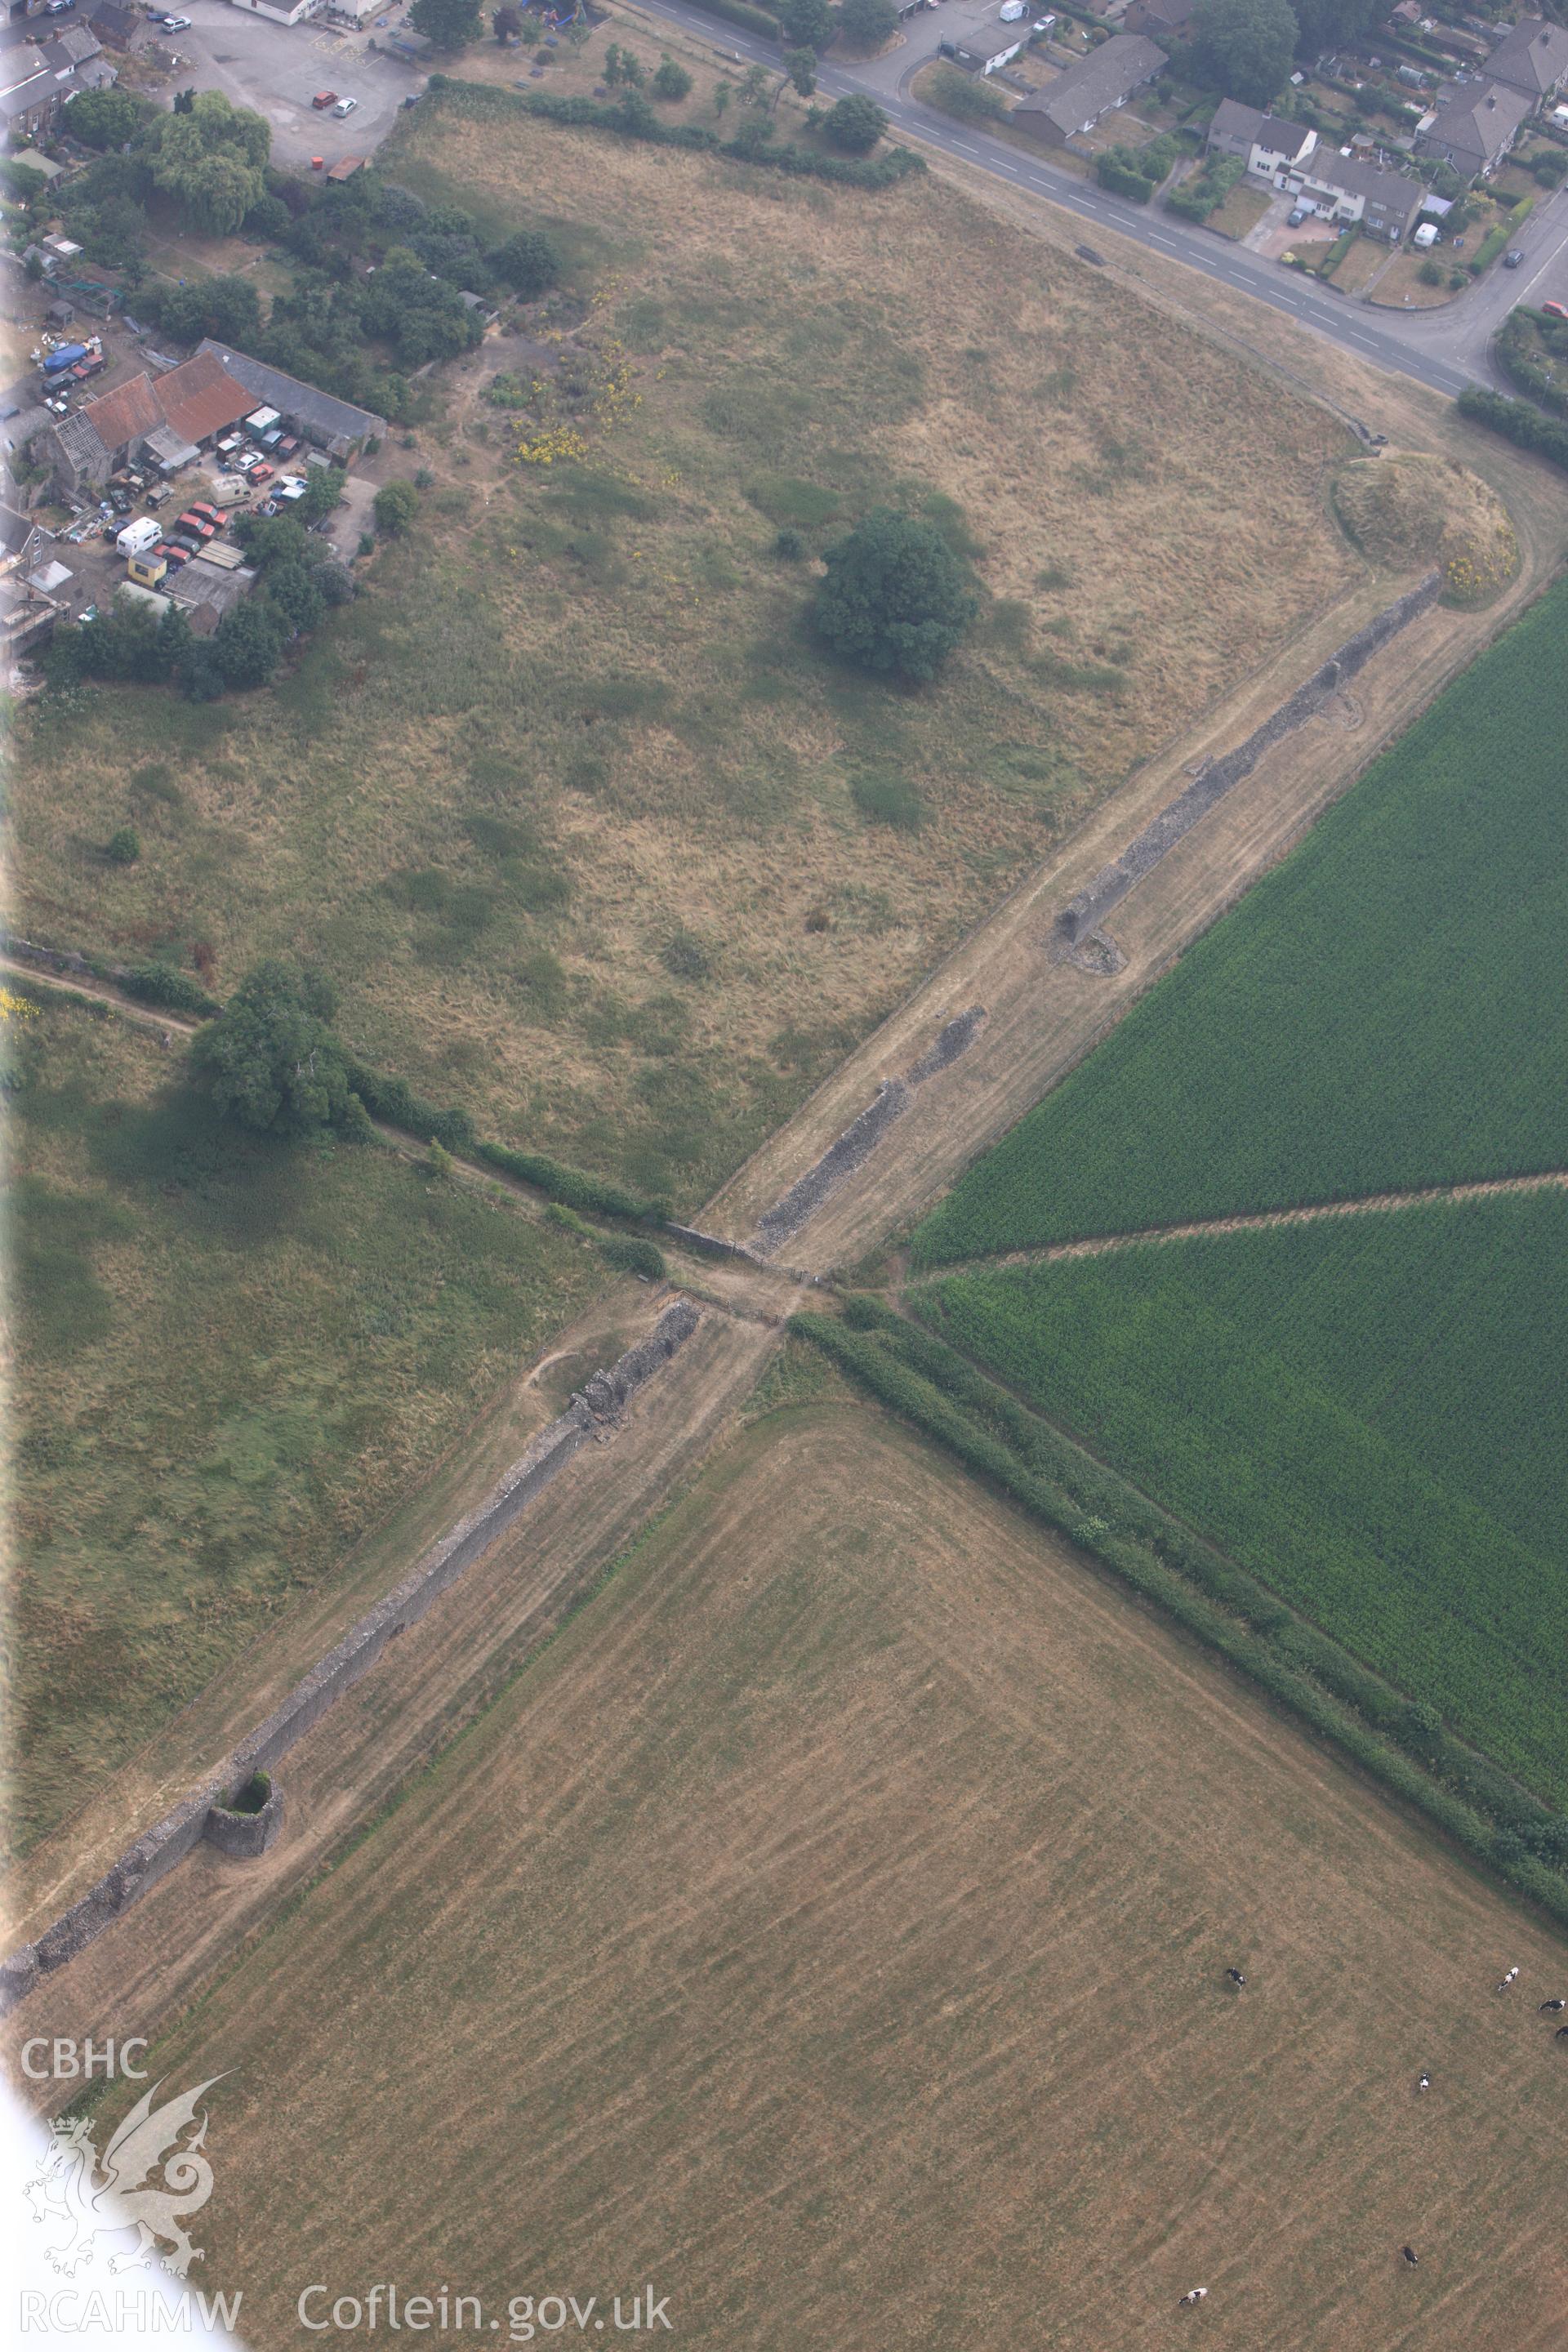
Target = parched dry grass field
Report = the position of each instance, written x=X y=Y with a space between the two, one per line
x=569 y=803
x=231 y=1358
x=831 y=1929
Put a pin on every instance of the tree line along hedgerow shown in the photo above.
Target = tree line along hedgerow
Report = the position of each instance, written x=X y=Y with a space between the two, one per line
x=1364 y=1411
x=1383 y=1011
x=1402 y=1744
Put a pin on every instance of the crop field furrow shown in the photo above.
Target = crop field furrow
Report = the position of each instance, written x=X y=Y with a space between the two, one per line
x=1365 y=1412
x=1267 y=1220
x=1385 y=1011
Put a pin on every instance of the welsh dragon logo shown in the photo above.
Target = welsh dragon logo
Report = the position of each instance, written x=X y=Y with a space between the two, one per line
x=151 y=2181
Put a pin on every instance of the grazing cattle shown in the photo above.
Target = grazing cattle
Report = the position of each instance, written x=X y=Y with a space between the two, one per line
x=1192 y=2294
x=1235 y=1976
x=1551 y=2008
x=1507 y=1980
x=1561 y=2034
x=1424 y=2082
x=1410 y=2255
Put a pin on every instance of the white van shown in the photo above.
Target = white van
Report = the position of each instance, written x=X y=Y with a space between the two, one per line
x=138 y=536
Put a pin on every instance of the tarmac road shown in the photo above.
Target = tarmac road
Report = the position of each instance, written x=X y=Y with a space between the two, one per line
x=277 y=68
x=1446 y=348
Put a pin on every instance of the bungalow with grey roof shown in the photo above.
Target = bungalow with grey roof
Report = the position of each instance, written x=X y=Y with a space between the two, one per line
x=1072 y=104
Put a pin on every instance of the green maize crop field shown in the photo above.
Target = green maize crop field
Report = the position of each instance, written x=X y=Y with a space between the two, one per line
x=1369 y=1413
x=1386 y=1010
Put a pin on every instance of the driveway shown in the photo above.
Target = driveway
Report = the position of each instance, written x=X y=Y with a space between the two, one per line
x=277 y=69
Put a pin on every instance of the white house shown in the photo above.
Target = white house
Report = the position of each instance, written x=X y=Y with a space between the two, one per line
x=282 y=12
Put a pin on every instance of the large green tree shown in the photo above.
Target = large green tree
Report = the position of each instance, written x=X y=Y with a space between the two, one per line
x=1244 y=48
x=896 y=597
x=269 y=1057
x=211 y=157
x=247 y=643
x=808 y=24
x=448 y=24
x=529 y=263
x=867 y=23
x=104 y=118
x=854 y=125
x=228 y=307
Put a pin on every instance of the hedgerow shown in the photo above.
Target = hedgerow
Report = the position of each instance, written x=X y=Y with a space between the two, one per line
x=166 y=984
x=1363 y=1411
x=632 y=117
x=572 y=1185
x=1516 y=421
x=1207 y=190
x=1490 y=1817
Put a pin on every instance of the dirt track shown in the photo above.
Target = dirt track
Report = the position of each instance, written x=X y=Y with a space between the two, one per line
x=1258 y=1221
x=1043 y=1017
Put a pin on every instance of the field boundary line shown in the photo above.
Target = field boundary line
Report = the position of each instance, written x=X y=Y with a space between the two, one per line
x=594 y=1413
x=1250 y=1220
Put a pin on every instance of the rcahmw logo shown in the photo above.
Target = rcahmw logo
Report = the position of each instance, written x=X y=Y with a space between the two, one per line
x=152 y=2179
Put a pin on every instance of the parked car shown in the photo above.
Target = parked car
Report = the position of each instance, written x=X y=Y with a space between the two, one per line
x=208 y=514
x=259 y=472
x=196 y=524
x=290 y=488
x=344 y=106
x=59 y=7
x=173 y=552
x=1298 y=215
x=324 y=97
x=1556 y=310
x=1511 y=260
x=176 y=24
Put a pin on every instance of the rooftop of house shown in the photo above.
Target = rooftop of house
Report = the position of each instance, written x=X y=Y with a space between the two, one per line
x=73 y=45
x=111 y=17
x=1114 y=70
x=1275 y=136
x=200 y=397
x=16 y=531
x=318 y=414
x=1534 y=58
x=1480 y=121
x=118 y=416
x=1354 y=177
x=79 y=440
